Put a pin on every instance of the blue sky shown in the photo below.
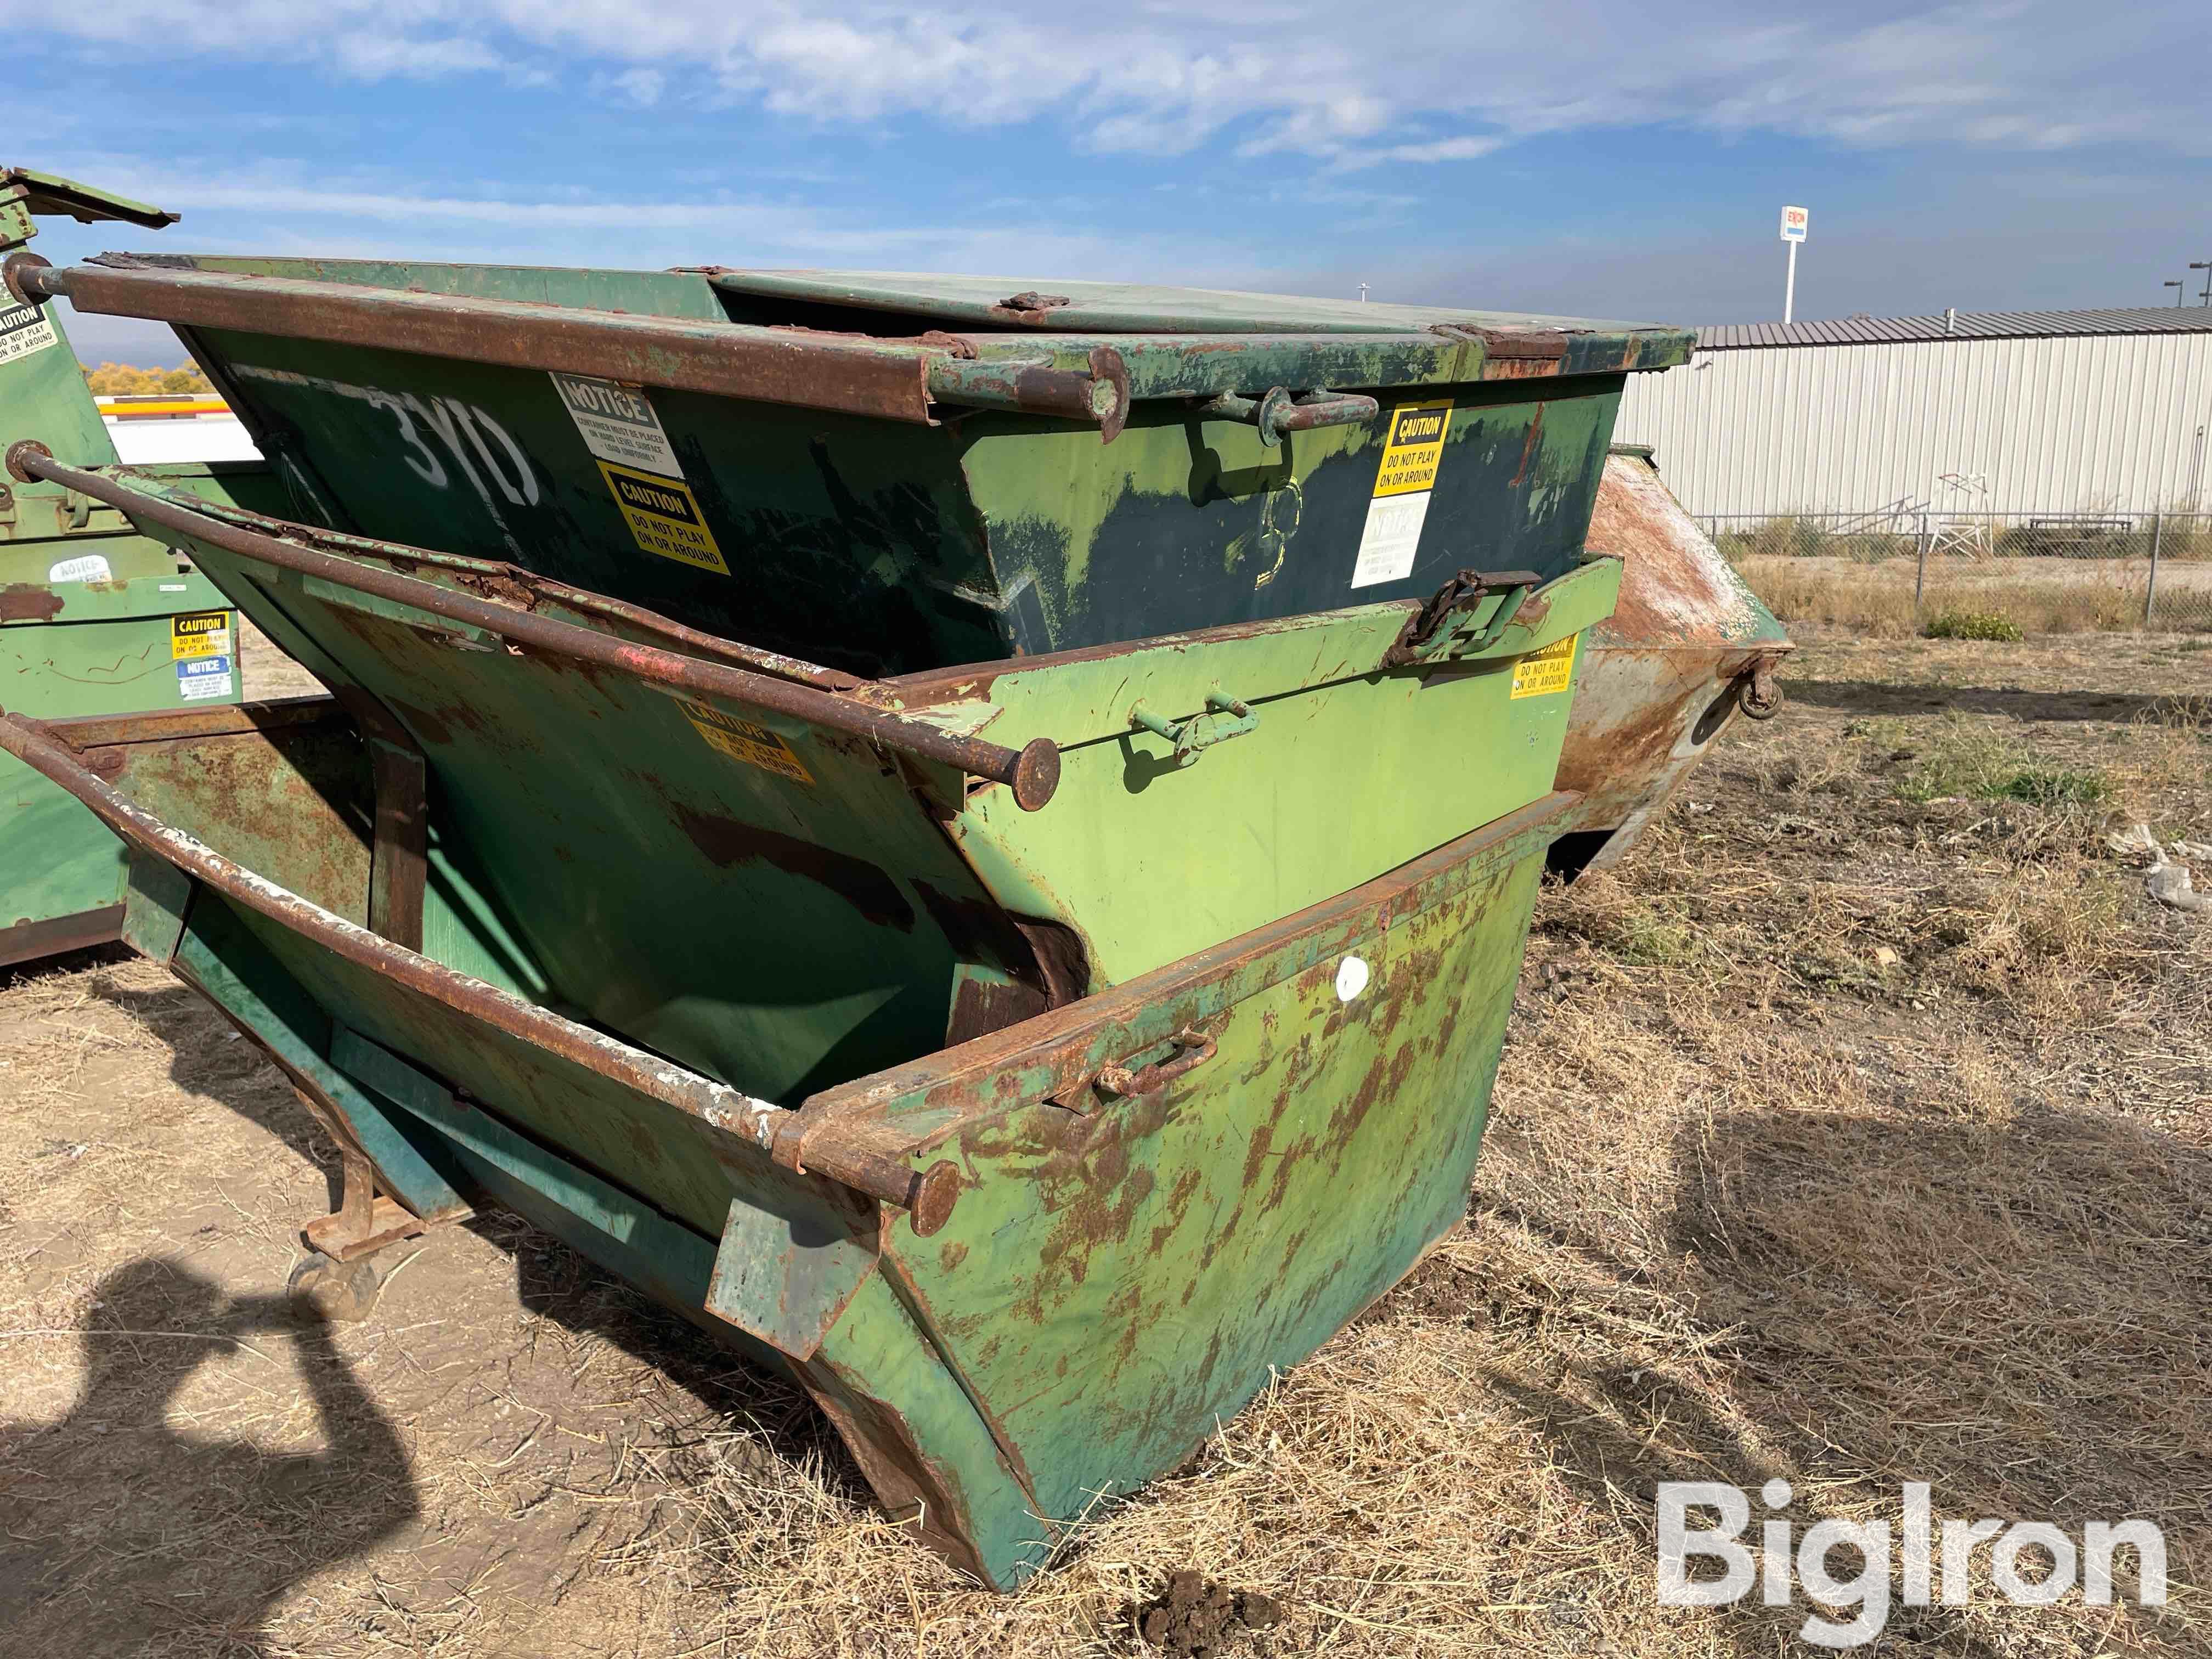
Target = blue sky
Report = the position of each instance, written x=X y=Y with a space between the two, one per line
x=1593 y=158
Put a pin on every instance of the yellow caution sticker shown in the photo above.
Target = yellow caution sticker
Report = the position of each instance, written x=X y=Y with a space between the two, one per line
x=742 y=740
x=199 y=633
x=1415 y=449
x=1542 y=672
x=1412 y=451
x=663 y=515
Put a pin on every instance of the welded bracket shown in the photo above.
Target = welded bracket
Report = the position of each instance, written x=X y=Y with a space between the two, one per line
x=1445 y=627
x=365 y=1220
x=399 y=864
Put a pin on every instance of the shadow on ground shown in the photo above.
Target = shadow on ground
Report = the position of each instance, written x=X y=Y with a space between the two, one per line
x=1881 y=697
x=2013 y=1314
x=126 y=1535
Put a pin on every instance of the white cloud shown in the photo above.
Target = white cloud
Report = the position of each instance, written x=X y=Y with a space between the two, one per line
x=1308 y=77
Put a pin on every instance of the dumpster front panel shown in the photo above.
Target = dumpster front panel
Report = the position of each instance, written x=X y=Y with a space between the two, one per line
x=1122 y=1271
x=1149 y=857
x=1330 y=777
x=1184 y=522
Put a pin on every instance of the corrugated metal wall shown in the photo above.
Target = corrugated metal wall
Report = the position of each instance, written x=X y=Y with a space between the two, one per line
x=2061 y=425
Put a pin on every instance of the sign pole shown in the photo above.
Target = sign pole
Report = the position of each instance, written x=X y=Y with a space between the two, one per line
x=1793 y=222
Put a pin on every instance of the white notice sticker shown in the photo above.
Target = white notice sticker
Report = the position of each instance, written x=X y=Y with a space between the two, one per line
x=86 y=567
x=1392 y=538
x=24 y=330
x=617 y=423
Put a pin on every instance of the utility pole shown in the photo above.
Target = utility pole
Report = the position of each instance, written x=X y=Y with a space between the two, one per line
x=1363 y=294
x=2204 y=265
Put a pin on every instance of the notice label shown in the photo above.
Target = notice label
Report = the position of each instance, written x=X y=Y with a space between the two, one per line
x=617 y=423
x=618 y=426
x=199 y=678
x=1542 y=672
x=86 y=567
x=24 y=330
x=200 y=634
x=742 y=740
x=1411 y=454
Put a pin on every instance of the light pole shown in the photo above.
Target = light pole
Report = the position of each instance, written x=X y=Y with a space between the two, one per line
x=2175 y=284
x=2204 y=265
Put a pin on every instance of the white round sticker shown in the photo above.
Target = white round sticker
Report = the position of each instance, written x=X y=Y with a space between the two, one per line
x=1351 y=978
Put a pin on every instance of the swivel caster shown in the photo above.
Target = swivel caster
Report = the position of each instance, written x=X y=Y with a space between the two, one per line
x=343 y=1292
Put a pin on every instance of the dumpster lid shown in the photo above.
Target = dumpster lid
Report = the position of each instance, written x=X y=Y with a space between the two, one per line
x=50 y=195
x=1061 y=308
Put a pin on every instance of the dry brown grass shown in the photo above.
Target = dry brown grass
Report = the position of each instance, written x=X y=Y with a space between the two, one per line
x=1757 y=1201
x=2039 y=596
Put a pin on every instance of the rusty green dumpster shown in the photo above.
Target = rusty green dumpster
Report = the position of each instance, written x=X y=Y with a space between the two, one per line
x=1688 y=646
x=889 y=474
x=1027 y=1056
x=94 y=618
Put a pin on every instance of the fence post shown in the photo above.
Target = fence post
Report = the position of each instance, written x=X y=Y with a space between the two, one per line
x=1920 y=572
x=2150 y=589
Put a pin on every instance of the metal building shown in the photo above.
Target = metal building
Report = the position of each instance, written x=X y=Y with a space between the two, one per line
x=2048 y=411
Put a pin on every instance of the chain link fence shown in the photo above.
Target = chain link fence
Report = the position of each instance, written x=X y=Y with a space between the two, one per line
x=2042 y=572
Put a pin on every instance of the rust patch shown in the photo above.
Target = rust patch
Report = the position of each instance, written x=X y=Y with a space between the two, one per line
x=1045 y=958
x=499 y=589
x=1030 y=306
x=29 y=602
x=1530 y=446
x=1675 y=587
x=868 y=888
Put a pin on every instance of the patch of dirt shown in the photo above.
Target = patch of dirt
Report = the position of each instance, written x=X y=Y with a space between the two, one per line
x=1194 y=1618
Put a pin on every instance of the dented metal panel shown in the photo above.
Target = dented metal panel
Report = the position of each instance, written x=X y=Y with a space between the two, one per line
x=1658 y=681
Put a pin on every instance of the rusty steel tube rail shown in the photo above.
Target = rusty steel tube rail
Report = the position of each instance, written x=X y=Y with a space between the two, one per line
x=928 y=1196
x=1031 y=772
x=892 y=380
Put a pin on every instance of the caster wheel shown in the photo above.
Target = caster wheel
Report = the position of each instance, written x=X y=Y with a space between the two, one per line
x=343 y=1292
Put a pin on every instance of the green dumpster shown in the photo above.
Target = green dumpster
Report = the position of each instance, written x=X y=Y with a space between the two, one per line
x=1017 y=1273
x=875 y=820
x=891 y=474
x=94 y=618
x=1026 y=1057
